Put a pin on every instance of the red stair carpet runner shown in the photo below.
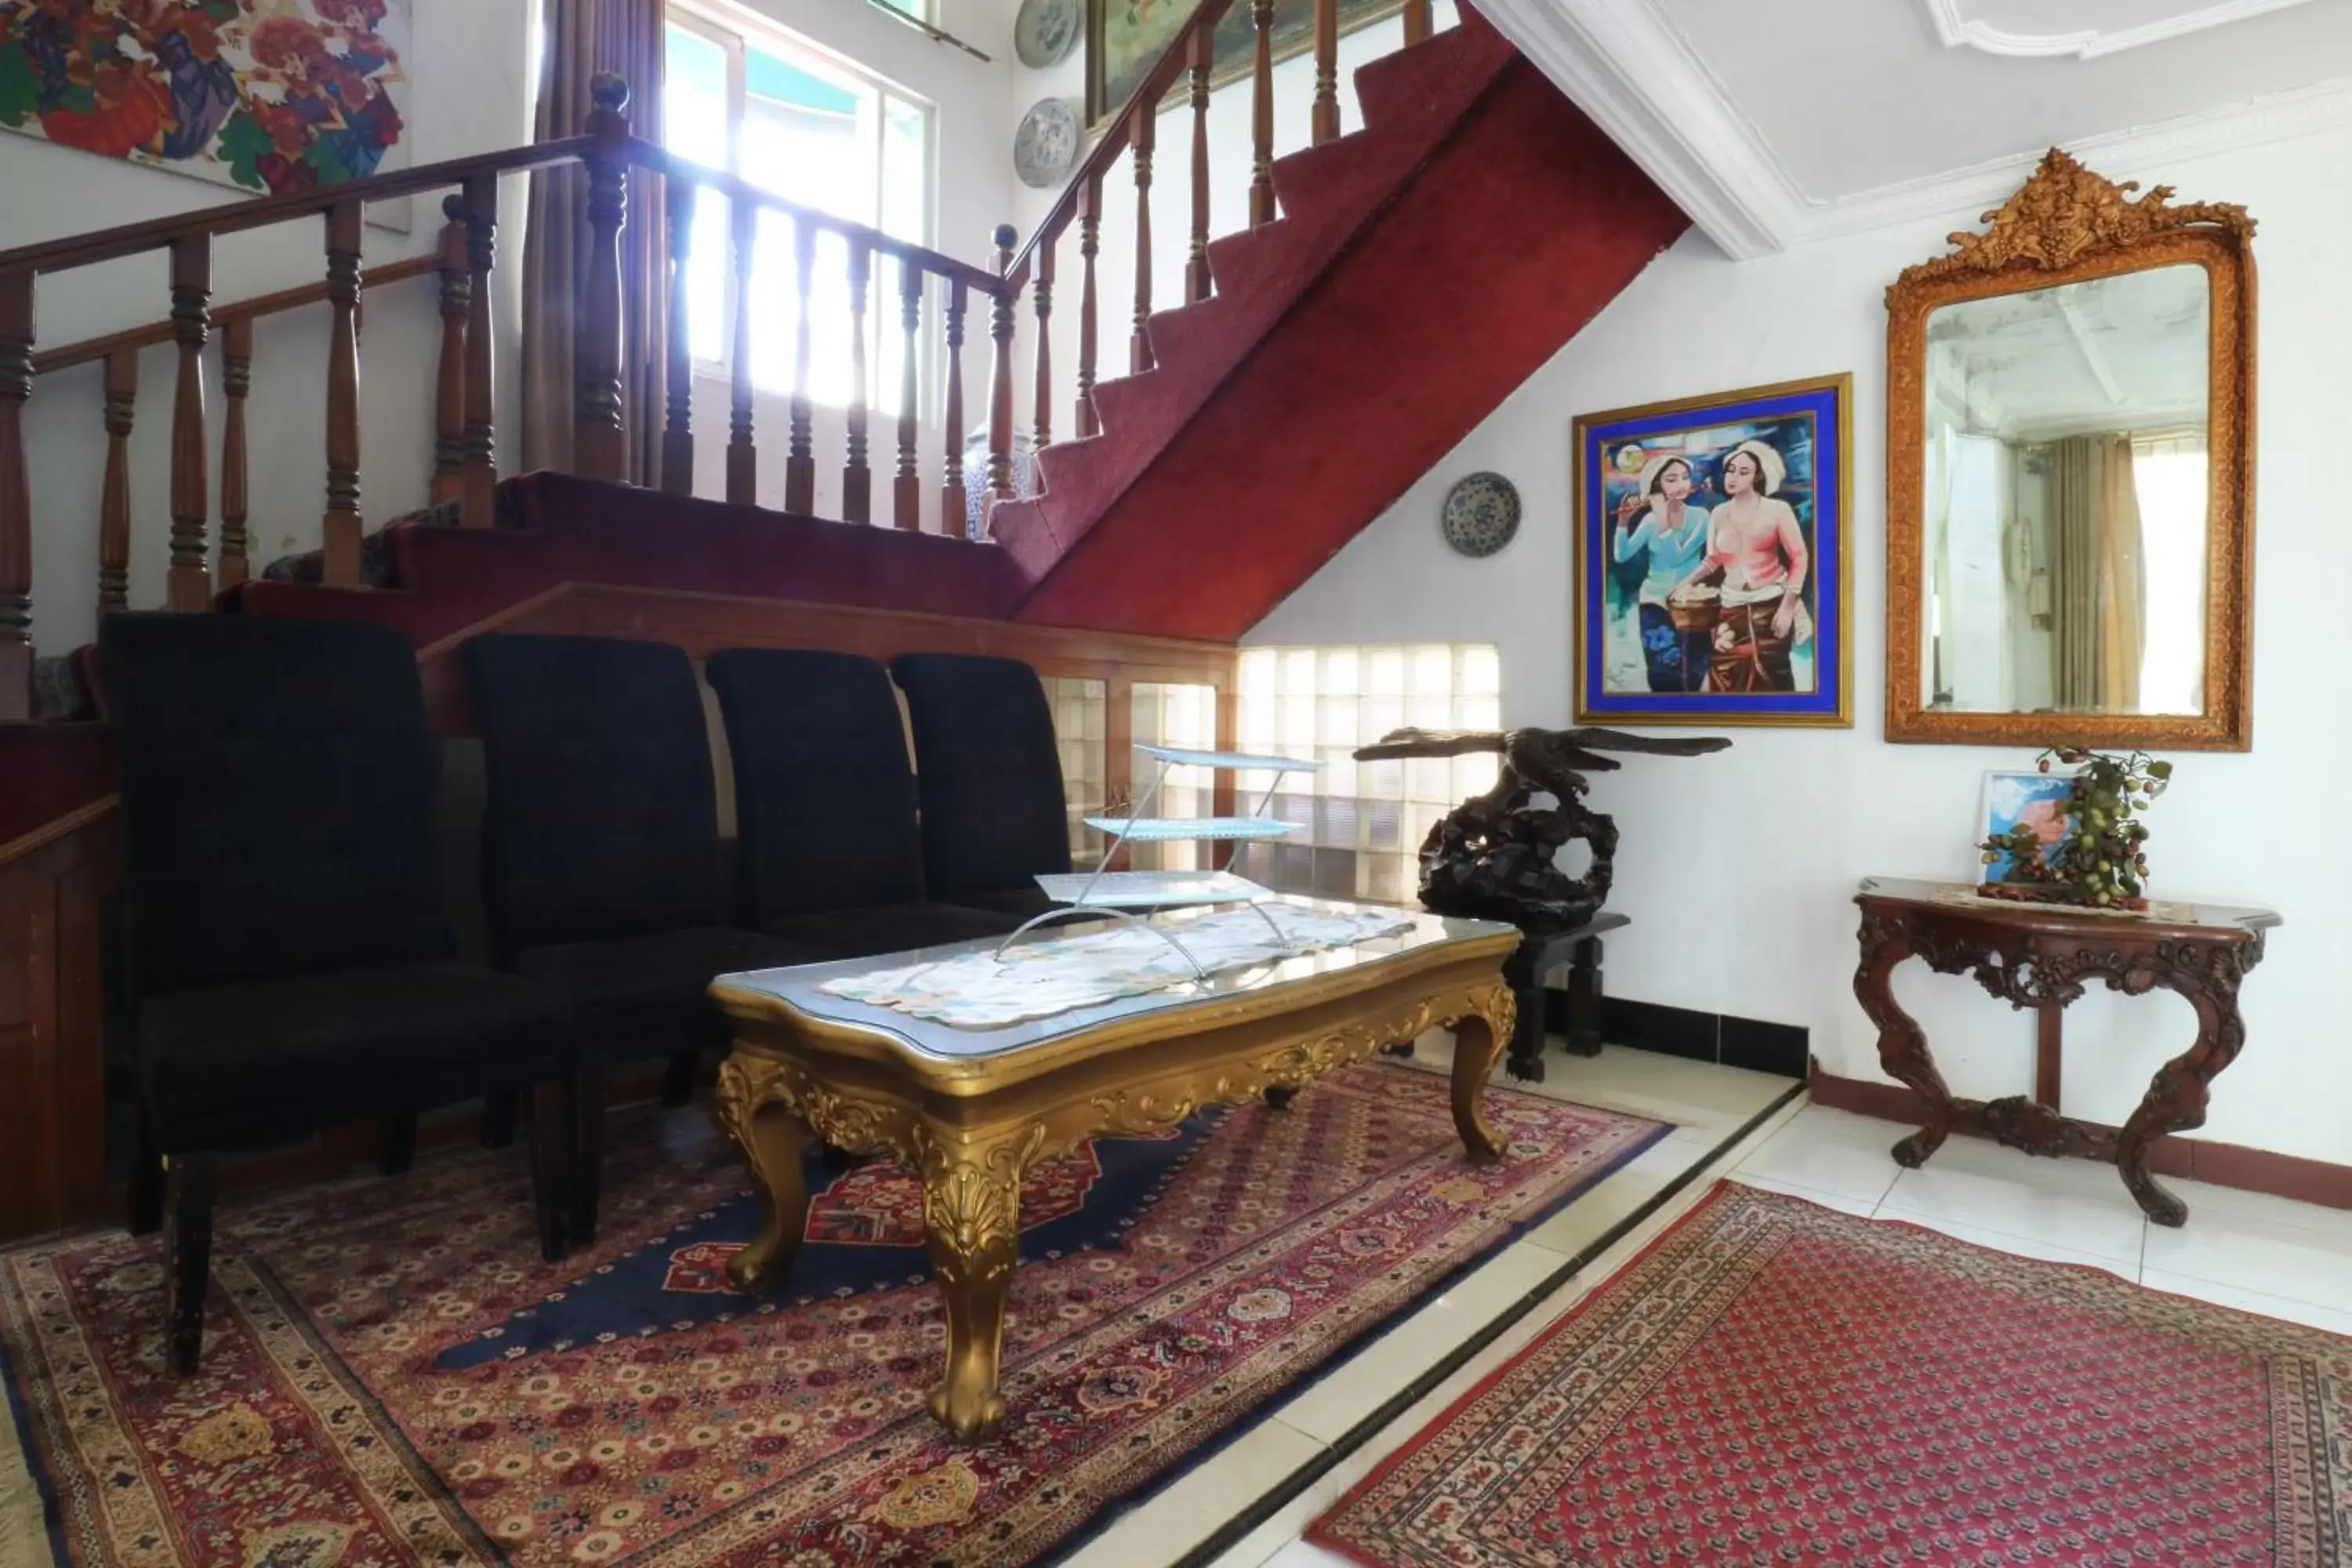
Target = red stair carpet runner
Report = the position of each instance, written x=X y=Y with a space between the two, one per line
x=1776 y=1383
x=390 y=1377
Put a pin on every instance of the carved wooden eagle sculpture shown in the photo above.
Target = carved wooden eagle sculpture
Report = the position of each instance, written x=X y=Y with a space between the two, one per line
x=1491 y=857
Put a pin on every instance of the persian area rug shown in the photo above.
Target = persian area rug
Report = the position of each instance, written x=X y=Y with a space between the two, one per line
x=1776 y=1383
x=390 y=1377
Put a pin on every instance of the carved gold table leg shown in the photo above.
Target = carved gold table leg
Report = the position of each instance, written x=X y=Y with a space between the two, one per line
x=971 y=1215
x=772 y=1140
x=1479 y=1037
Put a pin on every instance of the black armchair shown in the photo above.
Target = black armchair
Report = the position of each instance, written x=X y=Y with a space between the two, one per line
x=286 y=939
x=989 y=776
x=825 y=806
x=601 y=854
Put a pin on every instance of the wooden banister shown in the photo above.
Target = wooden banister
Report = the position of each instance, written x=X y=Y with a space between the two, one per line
x=599 y=432
x=340 y=530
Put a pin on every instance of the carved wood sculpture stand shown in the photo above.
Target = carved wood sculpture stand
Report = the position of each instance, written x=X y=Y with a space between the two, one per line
x=2038 y=956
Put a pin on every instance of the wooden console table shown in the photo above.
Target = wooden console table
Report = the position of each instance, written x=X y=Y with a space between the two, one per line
x=2038 y=956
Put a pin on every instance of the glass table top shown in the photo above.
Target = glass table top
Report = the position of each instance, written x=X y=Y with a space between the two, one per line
x=800 y=987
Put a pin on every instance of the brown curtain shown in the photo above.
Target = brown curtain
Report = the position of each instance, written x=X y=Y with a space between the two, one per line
x=582 y=37
x=2096 y=580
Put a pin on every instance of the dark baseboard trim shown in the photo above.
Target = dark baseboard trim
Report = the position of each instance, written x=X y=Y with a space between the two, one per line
x=1781 y=1049
x=1297 y=1483
x=2191 y=1159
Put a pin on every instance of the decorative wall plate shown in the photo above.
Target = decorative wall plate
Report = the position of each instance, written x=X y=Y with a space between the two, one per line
x=1047 y=145
x=1044 y=32
x=1481 y=514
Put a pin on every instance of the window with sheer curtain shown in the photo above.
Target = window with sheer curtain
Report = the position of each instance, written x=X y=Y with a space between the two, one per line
x=812 y=128
x=2170 y=475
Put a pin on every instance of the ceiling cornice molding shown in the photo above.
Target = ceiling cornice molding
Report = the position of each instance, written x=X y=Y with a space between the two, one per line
x=1625 y=65
x=1955 y=30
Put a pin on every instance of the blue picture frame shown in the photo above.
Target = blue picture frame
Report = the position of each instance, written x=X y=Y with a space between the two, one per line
x=1678 y=608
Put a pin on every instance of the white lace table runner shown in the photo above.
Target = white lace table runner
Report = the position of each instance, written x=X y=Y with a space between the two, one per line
x=1040 y=979
x=2158 y=909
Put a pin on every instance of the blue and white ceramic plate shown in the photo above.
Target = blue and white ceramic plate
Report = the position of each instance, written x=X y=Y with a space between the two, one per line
x=1481 y=514
x=1045 y=31
x=1047 y=145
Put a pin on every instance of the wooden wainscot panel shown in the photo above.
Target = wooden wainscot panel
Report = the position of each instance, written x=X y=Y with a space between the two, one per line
x=53 y=886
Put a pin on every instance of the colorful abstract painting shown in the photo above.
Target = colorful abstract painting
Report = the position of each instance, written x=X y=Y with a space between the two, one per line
x=268 y=95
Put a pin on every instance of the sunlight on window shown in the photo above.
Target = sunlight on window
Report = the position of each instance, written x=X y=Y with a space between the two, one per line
x=820 y=134
x=2169 y=475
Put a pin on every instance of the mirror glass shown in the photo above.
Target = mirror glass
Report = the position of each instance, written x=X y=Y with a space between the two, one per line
x=2066 y=507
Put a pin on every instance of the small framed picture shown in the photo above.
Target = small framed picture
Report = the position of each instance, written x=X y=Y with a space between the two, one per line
x=2041 y=802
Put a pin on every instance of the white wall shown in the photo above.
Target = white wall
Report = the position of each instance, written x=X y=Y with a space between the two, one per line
x=1738 y=868
x=468 y=93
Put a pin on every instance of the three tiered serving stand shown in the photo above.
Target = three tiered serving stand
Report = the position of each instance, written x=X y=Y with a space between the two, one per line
x=1123 y=894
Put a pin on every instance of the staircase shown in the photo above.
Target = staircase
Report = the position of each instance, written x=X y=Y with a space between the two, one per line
x=1421 y=268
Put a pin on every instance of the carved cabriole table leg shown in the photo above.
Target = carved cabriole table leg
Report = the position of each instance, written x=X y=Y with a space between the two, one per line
x=1479 y=1037
x=971 y=1216
x=764 y=1128
x=1902 y=1045
x=2206 y=975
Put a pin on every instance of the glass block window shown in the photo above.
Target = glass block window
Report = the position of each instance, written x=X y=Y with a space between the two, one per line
x=1173 y=715
x=1079 y=709
x=1363 y=822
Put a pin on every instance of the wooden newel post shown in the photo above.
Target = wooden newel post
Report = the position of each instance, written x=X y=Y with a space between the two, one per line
x=1000 y=369
x=449 y=389
x=114 y=498
x=340 y=531
x=15 y=499
x=477 y=208
x=599 y=449
x=236 y=380
x=188 y=586
x=677 y=371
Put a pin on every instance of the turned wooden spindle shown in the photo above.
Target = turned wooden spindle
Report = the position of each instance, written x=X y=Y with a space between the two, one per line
x=955 y=504
x=1416 y=20
x=1326 y=71
x=449 y=382
x=477 y=208
x=599 y=428
x=1261 y=201
x=1196 y=265
x=114 y=497
x=236 y=380
x=800 y=465
x=340 y=530
x=188 y=586
x=1000 y=369
x=743 y=456
x=856 y=476
x=1139 y=342
x=1089 y=242
x=907 y=484
x=677 y=370
x=15 y=499
x=1045 y=300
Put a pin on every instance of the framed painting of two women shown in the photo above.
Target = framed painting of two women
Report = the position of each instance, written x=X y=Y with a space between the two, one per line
x=1712 y=559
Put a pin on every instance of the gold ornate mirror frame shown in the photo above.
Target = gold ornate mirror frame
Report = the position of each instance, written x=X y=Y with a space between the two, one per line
x=2067 y=225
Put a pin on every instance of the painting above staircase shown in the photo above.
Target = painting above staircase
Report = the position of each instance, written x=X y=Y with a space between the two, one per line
x=266 y=95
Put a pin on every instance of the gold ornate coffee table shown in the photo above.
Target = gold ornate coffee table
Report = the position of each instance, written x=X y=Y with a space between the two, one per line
x=971 y=1109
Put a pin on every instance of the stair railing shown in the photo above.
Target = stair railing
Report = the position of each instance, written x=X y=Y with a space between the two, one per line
x=118 y=353
x=1191 y=54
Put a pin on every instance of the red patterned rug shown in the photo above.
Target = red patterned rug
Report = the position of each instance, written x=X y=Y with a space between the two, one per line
x=1776 y=1383
x=390 y=1377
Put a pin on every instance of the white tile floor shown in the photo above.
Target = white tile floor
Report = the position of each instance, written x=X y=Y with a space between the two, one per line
x=2240 y=1249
